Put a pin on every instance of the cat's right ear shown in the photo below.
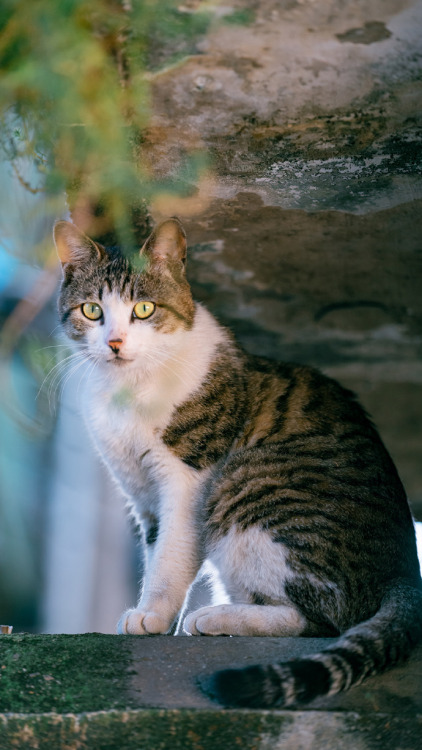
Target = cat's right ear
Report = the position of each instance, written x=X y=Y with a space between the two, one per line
x=167 y=242
x=73 y=246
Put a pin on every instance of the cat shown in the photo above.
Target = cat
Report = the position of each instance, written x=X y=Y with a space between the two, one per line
x=271 y=470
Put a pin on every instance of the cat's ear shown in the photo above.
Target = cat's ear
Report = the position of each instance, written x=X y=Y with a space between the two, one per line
x=73 y=246
x=168 y=241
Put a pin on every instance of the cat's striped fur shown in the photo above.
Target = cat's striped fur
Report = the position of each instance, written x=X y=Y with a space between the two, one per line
x=272 y=471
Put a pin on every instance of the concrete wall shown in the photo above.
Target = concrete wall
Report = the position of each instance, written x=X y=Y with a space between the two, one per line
x=307 y=223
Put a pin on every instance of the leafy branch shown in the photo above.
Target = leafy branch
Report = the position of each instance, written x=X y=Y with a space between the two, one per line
x=73 y=78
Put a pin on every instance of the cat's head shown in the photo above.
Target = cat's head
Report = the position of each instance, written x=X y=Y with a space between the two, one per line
x=125 y=315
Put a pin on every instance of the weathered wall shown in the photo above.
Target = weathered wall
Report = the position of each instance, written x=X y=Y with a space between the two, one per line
x=306 y=225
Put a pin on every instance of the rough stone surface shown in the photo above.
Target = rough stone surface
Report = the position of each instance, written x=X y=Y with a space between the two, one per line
x=166 y=669
x=305 y=225
x=107 y=692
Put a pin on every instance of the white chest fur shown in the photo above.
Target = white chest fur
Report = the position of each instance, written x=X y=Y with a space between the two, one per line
x=127 y=435
x=127 y=412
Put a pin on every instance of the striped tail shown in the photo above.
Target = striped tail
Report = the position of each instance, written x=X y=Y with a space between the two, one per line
x=368 y=649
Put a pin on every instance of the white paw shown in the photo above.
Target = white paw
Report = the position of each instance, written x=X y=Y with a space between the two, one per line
x=210 y=621
x=134 y=622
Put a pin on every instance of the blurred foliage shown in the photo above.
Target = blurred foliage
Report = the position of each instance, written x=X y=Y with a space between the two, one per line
x=74 y=98
x=175 y=34
x=74 y=107
x=241 y=17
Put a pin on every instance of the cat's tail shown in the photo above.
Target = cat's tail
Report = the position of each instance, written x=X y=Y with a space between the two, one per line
x=370 y=648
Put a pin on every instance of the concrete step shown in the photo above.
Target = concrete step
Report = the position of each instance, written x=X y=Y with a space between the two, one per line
x=103 y=692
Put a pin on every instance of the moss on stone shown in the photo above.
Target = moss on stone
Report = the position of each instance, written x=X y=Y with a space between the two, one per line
x=66 y=673
x=205 y=730
x=241 y=17
x=143 y=730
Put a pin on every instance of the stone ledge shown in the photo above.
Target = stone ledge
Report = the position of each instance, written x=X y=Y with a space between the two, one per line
x=160 y=729
x=103 y=692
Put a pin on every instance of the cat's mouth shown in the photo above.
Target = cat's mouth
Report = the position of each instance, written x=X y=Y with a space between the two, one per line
x=119 y=360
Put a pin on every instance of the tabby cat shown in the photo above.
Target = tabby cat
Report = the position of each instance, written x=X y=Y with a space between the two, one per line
x=271 y=471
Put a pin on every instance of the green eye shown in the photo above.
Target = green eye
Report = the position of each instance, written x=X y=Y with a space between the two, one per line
x=92 y=311
x=143 y=310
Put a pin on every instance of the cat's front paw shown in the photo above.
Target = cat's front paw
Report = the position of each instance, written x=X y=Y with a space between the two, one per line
x=207 y=621
x=134 y=622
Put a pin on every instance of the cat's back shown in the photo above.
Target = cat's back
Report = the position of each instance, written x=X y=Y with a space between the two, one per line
x=310 y=469
x=293 y=403
x=318 y=435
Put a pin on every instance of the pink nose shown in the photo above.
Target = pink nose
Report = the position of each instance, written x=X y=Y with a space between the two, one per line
x=115 y=344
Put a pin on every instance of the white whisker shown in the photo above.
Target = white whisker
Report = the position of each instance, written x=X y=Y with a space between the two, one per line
x=67 y=376
x=59 y=325
x=59 y=364
x=56 y=375
x=167 y=367
x=86 y=374
x=52 y=346
x=55 y=385
x=152 y=355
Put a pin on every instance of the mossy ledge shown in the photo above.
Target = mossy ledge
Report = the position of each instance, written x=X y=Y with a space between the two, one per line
x=159 y=729
x=64 y=673
x=105 y=692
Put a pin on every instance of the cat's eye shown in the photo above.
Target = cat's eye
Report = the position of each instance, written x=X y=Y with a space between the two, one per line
x=143 y=309
x=92 y=311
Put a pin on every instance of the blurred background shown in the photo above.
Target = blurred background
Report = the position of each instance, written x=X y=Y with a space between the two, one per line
x=287 y=136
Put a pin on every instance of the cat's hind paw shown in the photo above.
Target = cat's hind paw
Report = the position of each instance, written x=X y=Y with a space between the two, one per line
x=134 y=622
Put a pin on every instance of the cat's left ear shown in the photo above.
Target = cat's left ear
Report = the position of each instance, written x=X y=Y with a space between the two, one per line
x=73 y=246
x=167 y=242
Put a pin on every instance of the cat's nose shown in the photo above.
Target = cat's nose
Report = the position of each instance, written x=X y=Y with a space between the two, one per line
x=115 y=345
